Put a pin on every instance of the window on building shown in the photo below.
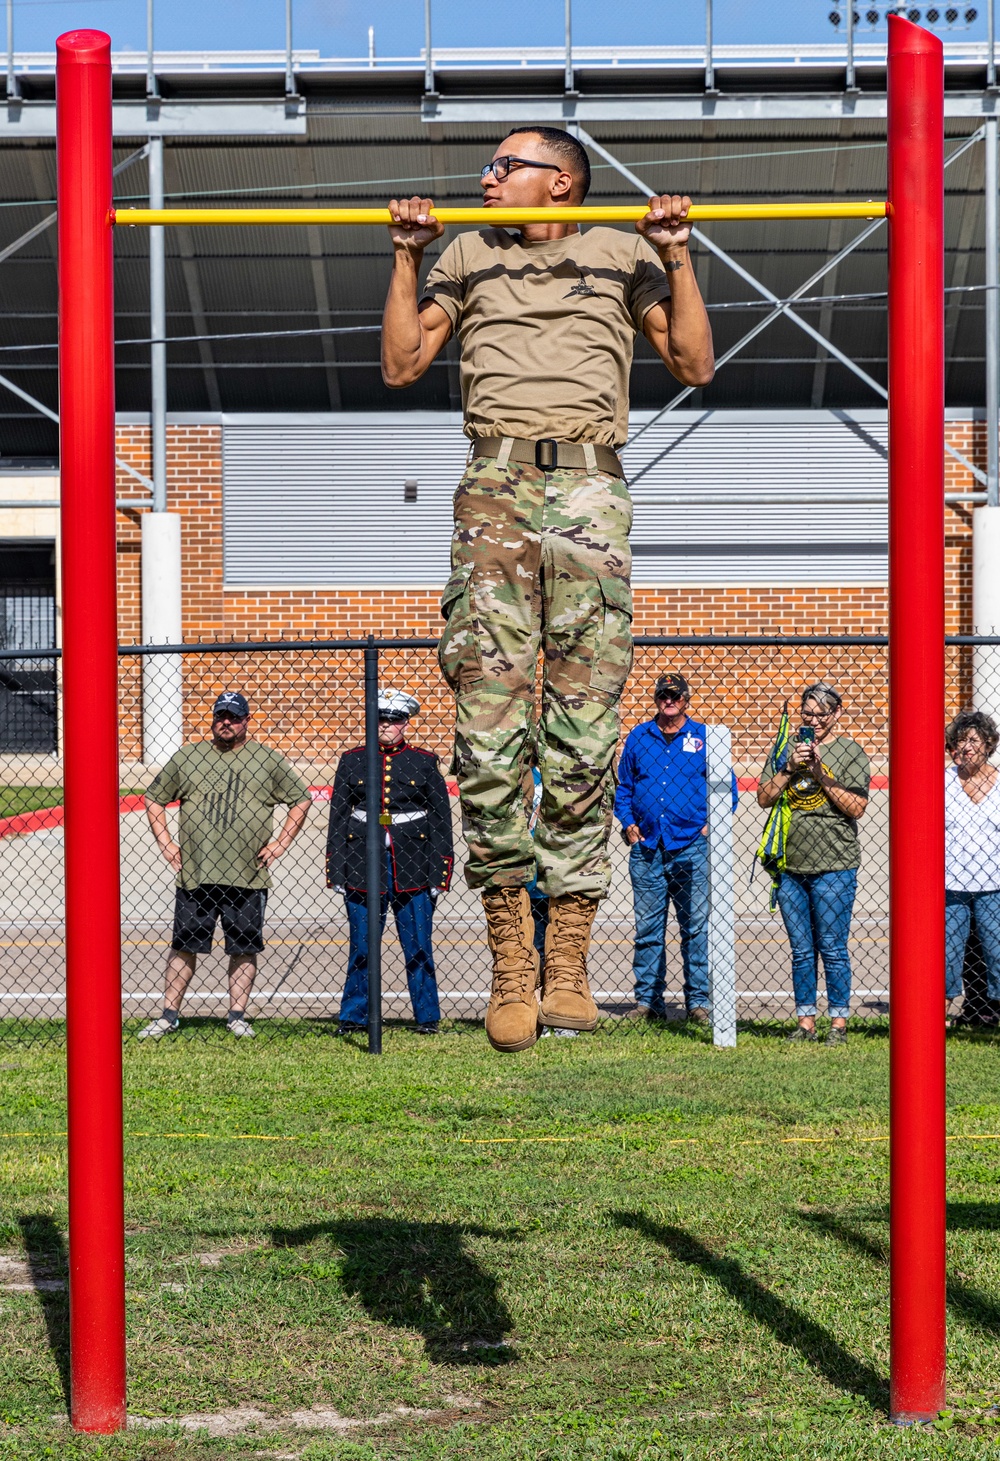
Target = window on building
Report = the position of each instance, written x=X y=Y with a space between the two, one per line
x=28 y=715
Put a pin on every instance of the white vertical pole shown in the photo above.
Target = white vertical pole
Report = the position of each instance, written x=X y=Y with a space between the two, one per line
x=289 y=64
x=160 y=563
x=850 y=79
x=992 y=312
x=709 y=49
x=152 y=89
x=986 y=520
x=12 y=90
x=721 y=885
x=568 y=82
x=428 y=54
x=158 y=331
x=986 y=608
x=162 y=680
x=991 y=62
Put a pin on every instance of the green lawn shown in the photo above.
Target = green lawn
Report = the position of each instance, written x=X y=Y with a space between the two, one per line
x=674 y=1276
x=17 y=799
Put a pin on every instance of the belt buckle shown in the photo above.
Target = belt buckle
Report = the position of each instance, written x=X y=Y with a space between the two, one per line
x=553 y=453
x=385 y=819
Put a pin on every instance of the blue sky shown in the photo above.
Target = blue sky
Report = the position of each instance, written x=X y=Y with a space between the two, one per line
x=340 y=27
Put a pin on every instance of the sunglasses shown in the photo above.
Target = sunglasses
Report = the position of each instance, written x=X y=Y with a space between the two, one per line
x=500 y=167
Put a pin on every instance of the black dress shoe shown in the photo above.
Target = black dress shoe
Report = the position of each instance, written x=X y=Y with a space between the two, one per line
x=347 y=1027
x=429 y=1027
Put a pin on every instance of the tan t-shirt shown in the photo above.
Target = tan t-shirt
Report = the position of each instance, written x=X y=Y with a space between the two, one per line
x=547 y=329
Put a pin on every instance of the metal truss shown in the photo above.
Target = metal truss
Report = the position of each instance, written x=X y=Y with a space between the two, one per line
x=5 y=382
x=782 y=307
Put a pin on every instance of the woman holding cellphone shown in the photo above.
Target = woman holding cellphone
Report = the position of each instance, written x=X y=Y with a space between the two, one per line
x=825 y=778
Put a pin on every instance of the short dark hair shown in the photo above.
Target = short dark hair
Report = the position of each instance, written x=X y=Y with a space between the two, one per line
x=973 y=720
x=565 y=147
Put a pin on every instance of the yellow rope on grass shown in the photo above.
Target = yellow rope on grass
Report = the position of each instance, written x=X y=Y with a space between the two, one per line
x=503 y=1140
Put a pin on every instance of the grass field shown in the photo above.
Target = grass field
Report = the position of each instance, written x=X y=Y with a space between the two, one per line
x=17 y=799
x=675 y=1251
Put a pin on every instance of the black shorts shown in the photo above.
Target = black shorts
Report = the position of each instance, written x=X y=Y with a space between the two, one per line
x=241 y=911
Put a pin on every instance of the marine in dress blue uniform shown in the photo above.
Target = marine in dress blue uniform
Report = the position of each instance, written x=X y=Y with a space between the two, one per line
x=416 y=866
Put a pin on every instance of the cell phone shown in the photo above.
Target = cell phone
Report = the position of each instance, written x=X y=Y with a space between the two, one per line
x=807 y=734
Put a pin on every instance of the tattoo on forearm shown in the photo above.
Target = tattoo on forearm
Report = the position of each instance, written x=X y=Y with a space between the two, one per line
x=671 y=264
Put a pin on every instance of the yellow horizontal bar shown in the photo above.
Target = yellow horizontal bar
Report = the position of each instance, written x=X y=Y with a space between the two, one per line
x=698 y=213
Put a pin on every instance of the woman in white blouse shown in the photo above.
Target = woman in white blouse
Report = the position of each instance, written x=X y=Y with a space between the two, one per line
x=971 y=849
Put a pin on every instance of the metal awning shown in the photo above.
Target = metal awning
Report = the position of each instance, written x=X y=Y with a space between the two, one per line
x=357 y=135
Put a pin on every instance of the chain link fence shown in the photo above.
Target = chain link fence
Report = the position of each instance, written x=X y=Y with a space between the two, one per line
x=307 y=705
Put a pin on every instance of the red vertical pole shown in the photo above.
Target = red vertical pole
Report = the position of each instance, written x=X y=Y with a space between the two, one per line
x=90 y=718
x=916 y=686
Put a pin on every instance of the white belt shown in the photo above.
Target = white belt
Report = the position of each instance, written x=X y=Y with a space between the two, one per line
x=395 y=818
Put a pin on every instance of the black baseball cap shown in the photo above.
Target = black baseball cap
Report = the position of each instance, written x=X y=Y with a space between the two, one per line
x=231 y=702
x=671 y=685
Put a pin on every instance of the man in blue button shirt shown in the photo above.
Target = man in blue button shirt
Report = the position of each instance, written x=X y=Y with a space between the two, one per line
x=662 y=804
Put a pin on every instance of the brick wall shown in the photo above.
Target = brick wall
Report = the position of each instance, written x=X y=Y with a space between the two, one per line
x=212 y=612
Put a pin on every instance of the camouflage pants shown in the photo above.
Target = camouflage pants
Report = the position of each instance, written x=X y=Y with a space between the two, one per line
x=540 y=564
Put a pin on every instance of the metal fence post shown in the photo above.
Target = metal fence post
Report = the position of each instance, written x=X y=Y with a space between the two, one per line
x=721 y=885
x=374 y=840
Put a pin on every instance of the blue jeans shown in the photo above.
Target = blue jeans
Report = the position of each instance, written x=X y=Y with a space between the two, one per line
x=539 y=917
x=959 y=910
x=817 y=908
x=659 y=877
x=413 y=913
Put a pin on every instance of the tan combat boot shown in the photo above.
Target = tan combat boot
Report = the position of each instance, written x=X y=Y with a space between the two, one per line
x=567 y=1003
x=512 y=1013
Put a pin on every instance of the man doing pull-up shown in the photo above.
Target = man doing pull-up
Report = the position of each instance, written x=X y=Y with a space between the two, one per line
x=546 y=317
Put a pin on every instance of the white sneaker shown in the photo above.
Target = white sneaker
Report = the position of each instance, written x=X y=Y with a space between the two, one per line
x=242 y=1029
x=156 y=1029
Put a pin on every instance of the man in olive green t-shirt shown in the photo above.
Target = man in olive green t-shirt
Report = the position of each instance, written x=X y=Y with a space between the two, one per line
x=545 y=317
x=228 y=788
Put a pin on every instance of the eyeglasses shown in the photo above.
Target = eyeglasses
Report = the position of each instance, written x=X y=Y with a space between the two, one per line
x=818 y=714
x=500 y=167
x=391 y=717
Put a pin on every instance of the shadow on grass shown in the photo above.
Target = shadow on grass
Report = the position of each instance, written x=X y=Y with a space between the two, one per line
x=48 y=1267
x=419 y=1276
x=970 y=1304
x=816 y=1345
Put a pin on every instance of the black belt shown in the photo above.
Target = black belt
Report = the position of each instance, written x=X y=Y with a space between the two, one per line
x=549 y=455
